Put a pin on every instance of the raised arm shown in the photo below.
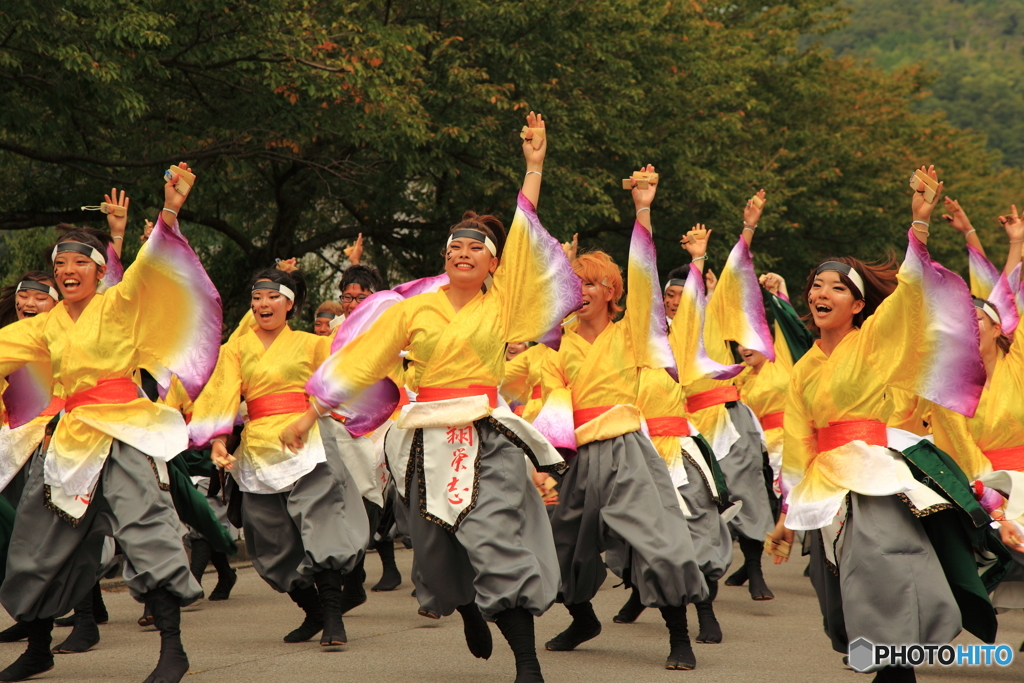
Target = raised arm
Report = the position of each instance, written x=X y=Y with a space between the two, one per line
x=535 y=148
x=752 y=216
x=117 y=224
x=922 y=209
x=957 y=217
x=1014 y=226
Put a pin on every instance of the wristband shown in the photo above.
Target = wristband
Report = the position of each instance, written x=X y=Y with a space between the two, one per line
x=536 y=172
x=646 y=208
x=750 y=227
x=118 y=237
x=169 y=210
x=699 y=258
x=969 y=232
x=920 y=223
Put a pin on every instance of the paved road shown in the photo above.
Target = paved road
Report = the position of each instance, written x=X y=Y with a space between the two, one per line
x=240 y=641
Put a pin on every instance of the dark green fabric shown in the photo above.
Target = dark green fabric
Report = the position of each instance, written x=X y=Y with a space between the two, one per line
x=198 y=463
x=798 y=338
x=716 y=472
x=6 y=528
x=957 y=533
x=194 y=510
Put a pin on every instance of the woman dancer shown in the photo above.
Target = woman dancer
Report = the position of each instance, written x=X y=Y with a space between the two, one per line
x=617 y=490
x=109 y=448
x=478 y=527
x=877 y=573
x=304 y=524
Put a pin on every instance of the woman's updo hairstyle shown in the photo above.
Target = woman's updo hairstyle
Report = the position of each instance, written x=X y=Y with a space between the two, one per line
x=1002 y=341
x=9 y=295
x=97 y=239
x=487 y=224
x=879 y=281
x=294 y=281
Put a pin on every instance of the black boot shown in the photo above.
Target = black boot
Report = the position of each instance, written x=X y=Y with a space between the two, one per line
x=353 y=593
x=895 y=674
x=99 y=610
x=173 y=663
x=584 y=627
x=85 y=634
x=201 y=552
x=391 y=579
x=517 y=627
x=710 y=630
x=226 y=577
x=478 y=634
x=14 y=633
x=328 y=586
x=680 y=655
x=147 y=617
x=631 y=610
x=752 y=551
x=309 y=601
x=37 y=658
x=738 y=577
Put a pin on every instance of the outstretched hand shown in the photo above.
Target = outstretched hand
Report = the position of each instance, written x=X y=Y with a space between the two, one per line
x=1013 y=224
x=117 y=224
x=288 y=265
x=535 y=155
x=921 y=207
x=572 y=248
x=173 y=200
x=956 y=216
x=695 y=242
x=355 y=251
x=642 y=199
x=773 y=282
x=752 y=212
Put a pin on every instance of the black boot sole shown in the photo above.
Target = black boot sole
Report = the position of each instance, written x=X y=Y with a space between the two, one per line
x=21 y=676
x=566 y=642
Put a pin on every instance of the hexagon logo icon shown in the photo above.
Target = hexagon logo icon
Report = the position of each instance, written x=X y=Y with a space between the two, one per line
x=861 y=654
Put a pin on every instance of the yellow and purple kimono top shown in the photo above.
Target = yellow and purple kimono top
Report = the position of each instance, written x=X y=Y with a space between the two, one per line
x=599 y=382
x=165 y=311
x=922 y=339
x=272 y=381
x=523 y=383
x=455 y=360
x=735 y=313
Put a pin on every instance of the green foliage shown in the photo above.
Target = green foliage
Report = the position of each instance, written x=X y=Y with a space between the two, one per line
x=309 y=121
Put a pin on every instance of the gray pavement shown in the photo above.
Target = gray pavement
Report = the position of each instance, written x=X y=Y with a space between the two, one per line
x=240 y=641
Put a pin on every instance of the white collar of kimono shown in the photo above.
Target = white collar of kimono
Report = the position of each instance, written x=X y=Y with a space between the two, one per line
x=37 y=286
x=78 y=247
x=277 y=287
x=989 y=311
x=473 y=235
x=846 y=270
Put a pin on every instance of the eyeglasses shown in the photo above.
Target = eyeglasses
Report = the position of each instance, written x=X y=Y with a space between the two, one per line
x=348 y=298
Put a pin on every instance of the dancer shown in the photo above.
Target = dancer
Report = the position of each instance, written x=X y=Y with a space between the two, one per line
x=478 y=527
x=735 y=314
x=876 y=570
x=324 y=318
x=304 y=524
x=617 y=489
x=110 y=444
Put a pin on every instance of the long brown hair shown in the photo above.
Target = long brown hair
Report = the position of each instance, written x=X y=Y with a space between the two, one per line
x=879 y=281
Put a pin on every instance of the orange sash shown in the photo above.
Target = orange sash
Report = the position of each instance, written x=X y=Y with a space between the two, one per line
x=284 y=403
x=585 y=415
x=113 y=390
x=1007 y=458
x=668 y=426
x=712 y=397
x=871 y=432
x=430 y=394
x=772 y=420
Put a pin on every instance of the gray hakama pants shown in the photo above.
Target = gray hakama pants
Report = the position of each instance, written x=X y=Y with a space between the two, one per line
x=220 y=510
x=708 y=531
x=502 y=556
x=743 y=468
x=618 y=496
x=890 y=586
x=320 y=524
x=52 y=565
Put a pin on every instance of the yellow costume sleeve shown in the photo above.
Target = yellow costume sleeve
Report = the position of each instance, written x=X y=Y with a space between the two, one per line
x=217 y=406
x=22 y=342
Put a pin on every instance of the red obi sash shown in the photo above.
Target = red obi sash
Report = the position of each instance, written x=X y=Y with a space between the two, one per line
x=284 y=403
x=113 y=390
x=538 y=393
x=712 y=397
x=871 y=432
x=1007 y=458
x=772 y=420
x=56 y=405
x=584 y=415
x=668 y=426
x=430 y=394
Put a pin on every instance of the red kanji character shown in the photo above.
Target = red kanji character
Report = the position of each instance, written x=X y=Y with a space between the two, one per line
x=460 y=435
x=457 y=458
x=453 y=489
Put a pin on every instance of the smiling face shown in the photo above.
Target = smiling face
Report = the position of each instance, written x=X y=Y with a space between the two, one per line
x=322 y=327
x=352 y=296
x=673 y=295
x=468 y=262
x=596 y=302
x=832 y=303
x=514 y=349
x=29 y=303
x=989 y=332
x=77 y=276
x=751 y=357
x=270 y=308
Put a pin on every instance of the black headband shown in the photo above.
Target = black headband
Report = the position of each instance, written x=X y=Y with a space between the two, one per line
x=276 y=286
x=38 y=286
x=475 y=235
x=988 y=309
x=675 y=282
x=326 y=314
x=846 y=270
x=79 y=248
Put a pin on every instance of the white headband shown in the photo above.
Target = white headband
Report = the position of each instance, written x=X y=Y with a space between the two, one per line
x=277 y=287
x=846 y=270
x=37 y=286
x=989 y=311
x=79 y=248
x=476 y=235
